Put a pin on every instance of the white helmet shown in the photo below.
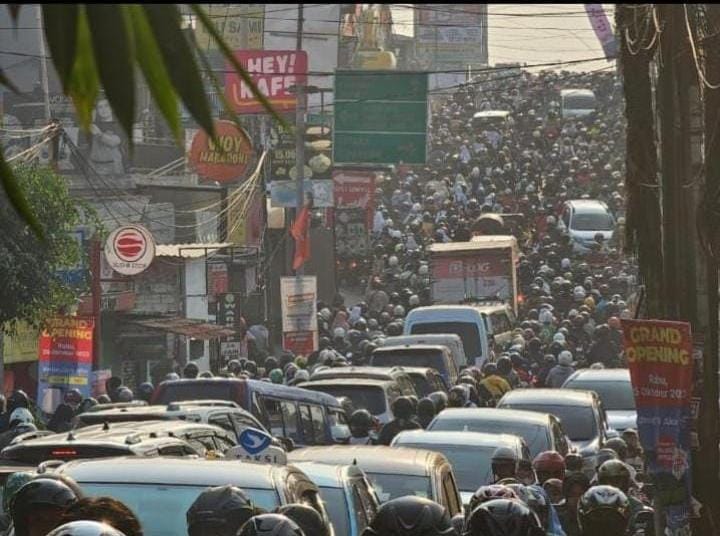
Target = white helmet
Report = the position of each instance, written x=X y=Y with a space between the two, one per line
x=545 y=316
x=414 y=300
x=579 y=293
x=559 y=337
x=597 y=366
x=393 y=261
x=551 y=220
x=21 y=416
x=85 y=528
x=565 y=264
x=326 y=314
x=339 y=333
x=565 y=358
x=399 y=311
x=423 y=269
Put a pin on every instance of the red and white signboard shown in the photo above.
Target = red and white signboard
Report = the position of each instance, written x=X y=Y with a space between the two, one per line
x=130 y=249
x=273 y=72
x=354 y=188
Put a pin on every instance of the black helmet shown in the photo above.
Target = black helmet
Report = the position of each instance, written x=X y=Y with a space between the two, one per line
x=394 y=329
x=361 y=421
x=410 y=516
x=509 y=517
x=145 y=391
x=615 y=473
x=618 y=445
x=307 y=518
x=191 y=371
x=73 y=397
x=86 y=404
x=250 y=367
x=104 y=399
x=504 y=365
x=234 y=366
x=17 y=399
x=124 y=394
x=603 y=510
x=458 y=396
x=224 y=508
x=489 y=369
x=426 y=411
x=270 y=525
x=270 y=363
x=38 y=493
x=402 y=408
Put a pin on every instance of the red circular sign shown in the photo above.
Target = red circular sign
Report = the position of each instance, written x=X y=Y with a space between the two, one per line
x=130 y=245
x=225 y=159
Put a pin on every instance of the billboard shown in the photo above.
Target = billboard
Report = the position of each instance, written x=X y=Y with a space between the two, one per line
x=660 y=358
x=451 y=36
x=240 y=25
x=298 y=297
x=274 y=72
x=64 y=359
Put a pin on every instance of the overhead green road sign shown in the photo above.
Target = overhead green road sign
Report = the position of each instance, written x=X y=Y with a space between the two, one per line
x=380 y=117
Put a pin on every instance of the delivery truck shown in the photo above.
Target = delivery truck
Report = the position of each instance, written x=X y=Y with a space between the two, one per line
x=485 y=268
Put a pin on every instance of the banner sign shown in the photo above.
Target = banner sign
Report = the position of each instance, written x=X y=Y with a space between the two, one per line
x=273 y=72
x=299 y=313
x=64 y=360
x=603 y=30
x=659 y=355
x=352 y=234
x=284 y=193
x=227 y=158
x=240 y=25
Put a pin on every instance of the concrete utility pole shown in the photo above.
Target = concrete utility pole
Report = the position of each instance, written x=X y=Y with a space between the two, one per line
x=300 y=130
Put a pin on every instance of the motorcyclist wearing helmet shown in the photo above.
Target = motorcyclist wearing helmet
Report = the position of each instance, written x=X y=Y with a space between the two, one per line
x=145 y=391
x=549 y=464
x=495 y=384
x=488 y=493
x=305 y=517
x=505 y=370
x=504 y=463
x=39 y=505
x=618 y=474
x=219 y=511
x=403 y=412
x=191 y=371
x=361 y=425
x=410 y=516
x=603 y=510
x=426 y=411
x=17 y=399
x=21 y=421
x=573 y=488
x=270 y=525
x=14 y=482
x=503 y=516
x=562 y=371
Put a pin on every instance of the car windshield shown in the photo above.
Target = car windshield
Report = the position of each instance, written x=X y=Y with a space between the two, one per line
x=467 y=331
x=579 y=102
x=422 y=385
x=592 y=221
x=471 y=464
x=535 y=436
x=337 y=509
x=409 y=358
x=577 y=421
x=614 y=395
x=393 y=486
x=152 y=503
x=180 y=391
x=371 y=398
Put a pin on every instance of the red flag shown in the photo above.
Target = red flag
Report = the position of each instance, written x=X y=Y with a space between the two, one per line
x=300 y=231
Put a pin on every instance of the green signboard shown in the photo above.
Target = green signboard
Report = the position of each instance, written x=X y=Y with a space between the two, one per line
x=380 y=117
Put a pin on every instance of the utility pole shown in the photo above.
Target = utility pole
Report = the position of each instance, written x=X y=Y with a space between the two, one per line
x=43 y=64
x=300 y=129
x=708 y=429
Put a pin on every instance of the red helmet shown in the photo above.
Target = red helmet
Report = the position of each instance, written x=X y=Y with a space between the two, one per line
x=549 y=464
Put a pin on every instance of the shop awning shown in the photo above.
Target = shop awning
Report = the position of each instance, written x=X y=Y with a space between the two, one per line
x=189 y=251
x=196 y=329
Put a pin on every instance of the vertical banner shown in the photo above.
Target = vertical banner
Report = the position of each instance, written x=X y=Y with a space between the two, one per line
x=65 y=359
x=603 y=30
x=299 y=314
x=659 y=355
x=355 y=189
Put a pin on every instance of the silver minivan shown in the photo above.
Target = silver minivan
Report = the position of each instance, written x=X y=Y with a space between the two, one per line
x=452 y=341
x=583 y=219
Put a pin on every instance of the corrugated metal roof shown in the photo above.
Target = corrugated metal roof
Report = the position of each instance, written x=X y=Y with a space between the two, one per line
x=189 y=251
x=185 y=326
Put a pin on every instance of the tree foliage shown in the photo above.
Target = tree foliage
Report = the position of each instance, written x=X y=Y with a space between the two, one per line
x=96 y=46
x=31 y=288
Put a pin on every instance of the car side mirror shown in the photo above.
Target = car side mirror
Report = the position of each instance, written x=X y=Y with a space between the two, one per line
x=287 y=443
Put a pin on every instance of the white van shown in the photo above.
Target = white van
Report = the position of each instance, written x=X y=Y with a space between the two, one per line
x=451 y=341
x=577 y=102
x=466 y=321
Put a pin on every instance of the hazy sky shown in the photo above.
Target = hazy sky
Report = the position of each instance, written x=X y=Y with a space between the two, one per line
x=538 y=33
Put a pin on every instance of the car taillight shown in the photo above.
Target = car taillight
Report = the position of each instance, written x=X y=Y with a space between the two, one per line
x=63 y=453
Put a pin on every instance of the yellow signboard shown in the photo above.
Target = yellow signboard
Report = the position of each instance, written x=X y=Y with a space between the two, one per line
x=22 y=346
x=241 y=26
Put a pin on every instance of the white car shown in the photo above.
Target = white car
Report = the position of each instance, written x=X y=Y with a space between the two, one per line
x=614 y=389
x=583 y=219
